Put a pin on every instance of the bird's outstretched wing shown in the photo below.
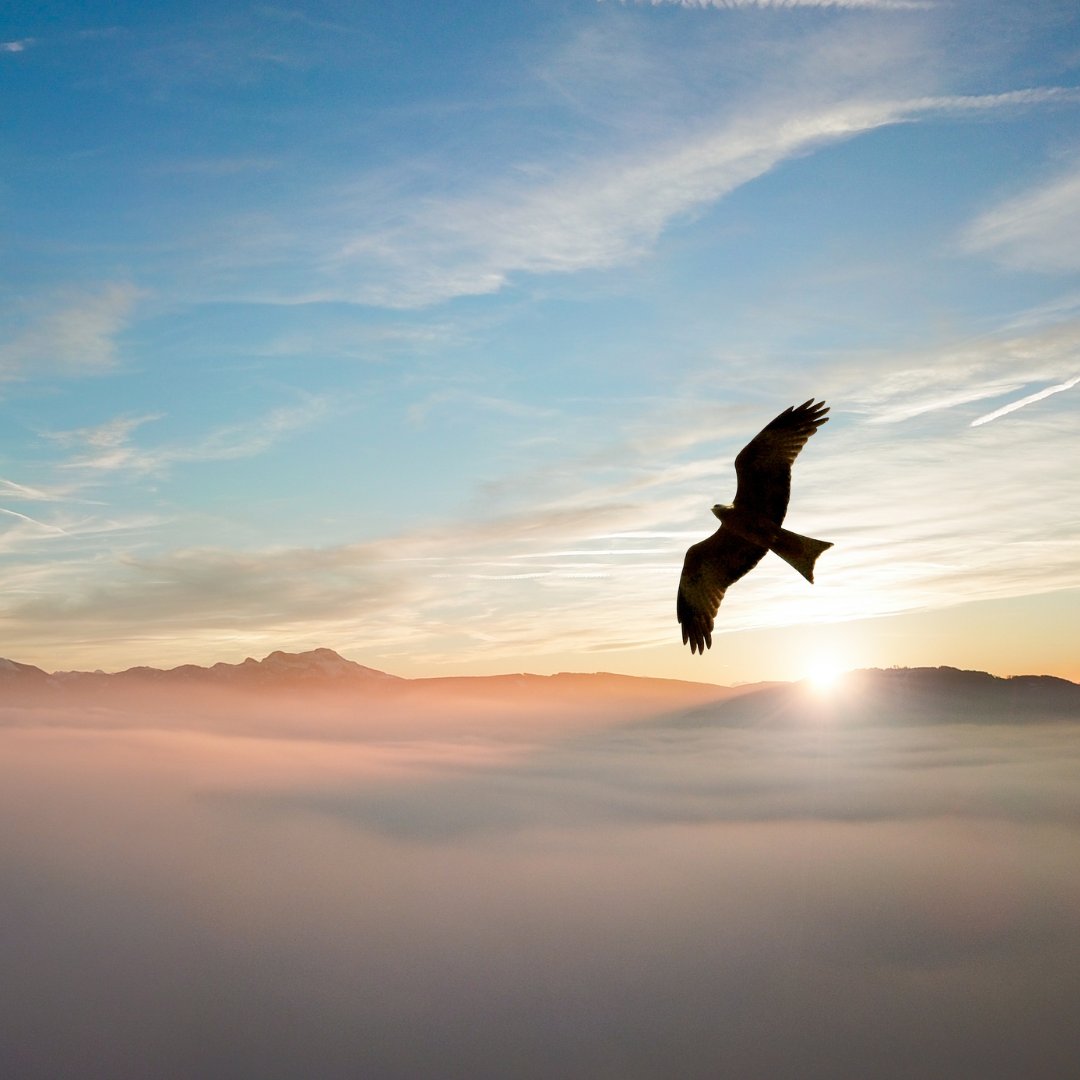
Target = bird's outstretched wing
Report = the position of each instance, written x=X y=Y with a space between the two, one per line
x=763 y=466
x=708 y=569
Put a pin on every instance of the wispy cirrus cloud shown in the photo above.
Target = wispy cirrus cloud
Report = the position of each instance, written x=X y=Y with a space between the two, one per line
x=30 y=521
x=610 y=212
x=104 y=446
x=9 y=489
x=1038 y=229
x=54 y=519
x=109 y=447
x=646 y=133
x=248 y=438
x=78 y=546
x=955 y=374
x=73 y=335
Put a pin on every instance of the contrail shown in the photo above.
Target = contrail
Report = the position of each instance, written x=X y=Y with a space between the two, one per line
x=33 y=521
x=21 y=491
x=1014 y=405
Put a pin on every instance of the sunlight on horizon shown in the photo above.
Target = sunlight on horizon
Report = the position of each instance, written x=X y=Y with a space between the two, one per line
x=824 y=673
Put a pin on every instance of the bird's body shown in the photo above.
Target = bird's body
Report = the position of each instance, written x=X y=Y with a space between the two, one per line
x=751 y=526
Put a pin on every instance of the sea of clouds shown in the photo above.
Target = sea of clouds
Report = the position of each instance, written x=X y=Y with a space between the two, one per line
x=186 y=897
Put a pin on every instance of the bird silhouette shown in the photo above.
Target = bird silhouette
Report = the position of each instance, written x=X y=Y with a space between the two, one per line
x=751 y=525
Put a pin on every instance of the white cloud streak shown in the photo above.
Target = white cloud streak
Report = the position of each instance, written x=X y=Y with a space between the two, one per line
x=32 y=521
x=11 y=490
x=1029 y=400
x=955 y=374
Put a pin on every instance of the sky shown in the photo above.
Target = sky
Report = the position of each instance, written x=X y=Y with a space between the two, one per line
x=429 y=333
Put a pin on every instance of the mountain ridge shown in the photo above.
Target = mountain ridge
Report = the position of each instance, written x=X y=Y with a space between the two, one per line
x=862 y=696
x=901 y=696
x=325 y=663
x=322 y=675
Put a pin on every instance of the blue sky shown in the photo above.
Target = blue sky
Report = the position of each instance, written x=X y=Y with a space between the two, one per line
x=429 y=332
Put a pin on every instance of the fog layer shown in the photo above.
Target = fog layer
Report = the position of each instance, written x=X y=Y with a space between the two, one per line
x=626 y=901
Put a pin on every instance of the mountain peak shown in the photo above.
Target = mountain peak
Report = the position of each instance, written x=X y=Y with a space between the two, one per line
x=316 y=663
x=279 y=669
x=13 y=669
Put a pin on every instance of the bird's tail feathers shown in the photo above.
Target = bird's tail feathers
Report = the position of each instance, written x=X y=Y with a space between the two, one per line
x=799 y=551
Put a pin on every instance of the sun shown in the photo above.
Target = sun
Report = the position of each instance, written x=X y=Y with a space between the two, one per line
x=823 y=673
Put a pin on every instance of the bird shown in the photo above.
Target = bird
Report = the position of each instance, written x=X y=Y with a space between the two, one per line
x=751 y=525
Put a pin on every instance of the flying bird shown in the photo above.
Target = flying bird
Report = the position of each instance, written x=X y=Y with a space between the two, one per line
x=751 y=525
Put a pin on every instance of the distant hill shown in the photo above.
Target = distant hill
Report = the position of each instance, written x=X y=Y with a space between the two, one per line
x=875 y=696
x=320 y=667
x=900 y=696
x=322 y=673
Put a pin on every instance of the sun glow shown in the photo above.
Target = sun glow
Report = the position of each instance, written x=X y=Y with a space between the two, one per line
x=823 y=673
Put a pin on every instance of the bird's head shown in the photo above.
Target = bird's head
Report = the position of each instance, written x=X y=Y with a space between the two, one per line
x=720 y=509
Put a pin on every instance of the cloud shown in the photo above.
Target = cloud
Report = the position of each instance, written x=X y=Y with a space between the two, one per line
x=98 y=547
x=903 y=543
x=642 y=904
x=63 y=529
x=707 y=774
x=393 y=591
x=647 y=131
x=955 y=374
x=105 y=446
x=31 y=521
x=16 y=46
x=75 y=336
x=580 y=552
x=195 y=589
x=611 y=212
x=253 y=437
x=11 y=490
x=1029 y=400
x=108 y=447
x=78 y=548
x=1038 y=229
